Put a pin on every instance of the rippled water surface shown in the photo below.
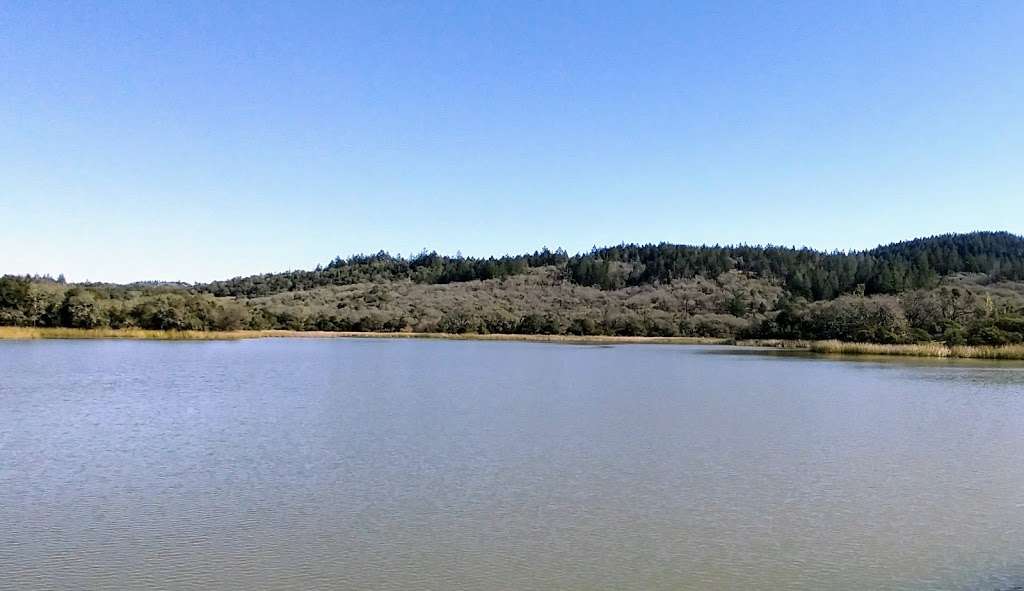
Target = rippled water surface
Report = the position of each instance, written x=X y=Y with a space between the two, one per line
x=385 y=464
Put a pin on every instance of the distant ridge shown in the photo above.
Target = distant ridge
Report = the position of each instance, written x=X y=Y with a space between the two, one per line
x=814 y=274
x=953 y=288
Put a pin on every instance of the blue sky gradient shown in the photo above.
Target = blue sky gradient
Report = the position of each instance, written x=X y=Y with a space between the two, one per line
x=187 y=141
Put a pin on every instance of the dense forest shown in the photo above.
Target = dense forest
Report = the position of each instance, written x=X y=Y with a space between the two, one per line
x=956 y=288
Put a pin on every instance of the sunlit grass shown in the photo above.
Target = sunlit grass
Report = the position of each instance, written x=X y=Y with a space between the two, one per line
x=828 y=347
x=29 y=333
x=920 y=350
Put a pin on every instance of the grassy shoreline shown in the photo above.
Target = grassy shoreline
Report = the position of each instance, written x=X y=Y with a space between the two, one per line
x=24 y=333
x=839 y=348
x=35 y=333
x=940 y=350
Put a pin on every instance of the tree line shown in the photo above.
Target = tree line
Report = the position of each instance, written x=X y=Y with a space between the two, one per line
x=427 y=268
x=24 y=302
x=815 y=275
x=812 y=274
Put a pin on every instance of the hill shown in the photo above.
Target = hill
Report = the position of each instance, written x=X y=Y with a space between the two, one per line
x=959 y=288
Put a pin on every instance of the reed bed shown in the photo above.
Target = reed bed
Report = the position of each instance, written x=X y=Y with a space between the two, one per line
x=1009 y=352
x=1012 y=352
x=31 y=333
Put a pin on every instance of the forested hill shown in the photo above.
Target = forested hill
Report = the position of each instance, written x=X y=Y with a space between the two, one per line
x=807 y=273
x=964 y=288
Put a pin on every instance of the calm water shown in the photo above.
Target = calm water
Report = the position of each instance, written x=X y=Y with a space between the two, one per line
x=368 y=464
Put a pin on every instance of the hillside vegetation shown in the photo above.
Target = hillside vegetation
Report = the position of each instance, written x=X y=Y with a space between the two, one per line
x=965 y=289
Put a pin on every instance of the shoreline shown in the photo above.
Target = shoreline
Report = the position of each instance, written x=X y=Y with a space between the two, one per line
x=932 y=350
x=827 y=348
x=18 y=333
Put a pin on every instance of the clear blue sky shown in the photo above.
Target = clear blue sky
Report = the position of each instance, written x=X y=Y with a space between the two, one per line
x=189 y=141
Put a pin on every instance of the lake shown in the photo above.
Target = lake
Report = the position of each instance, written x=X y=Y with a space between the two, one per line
x=443 y=465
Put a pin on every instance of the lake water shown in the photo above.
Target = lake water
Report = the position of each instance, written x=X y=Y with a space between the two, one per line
x=445 y=465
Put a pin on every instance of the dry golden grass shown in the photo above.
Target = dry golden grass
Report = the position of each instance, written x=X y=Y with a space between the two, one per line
x=920 y=350
x=828 y=347
x=30 y=333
